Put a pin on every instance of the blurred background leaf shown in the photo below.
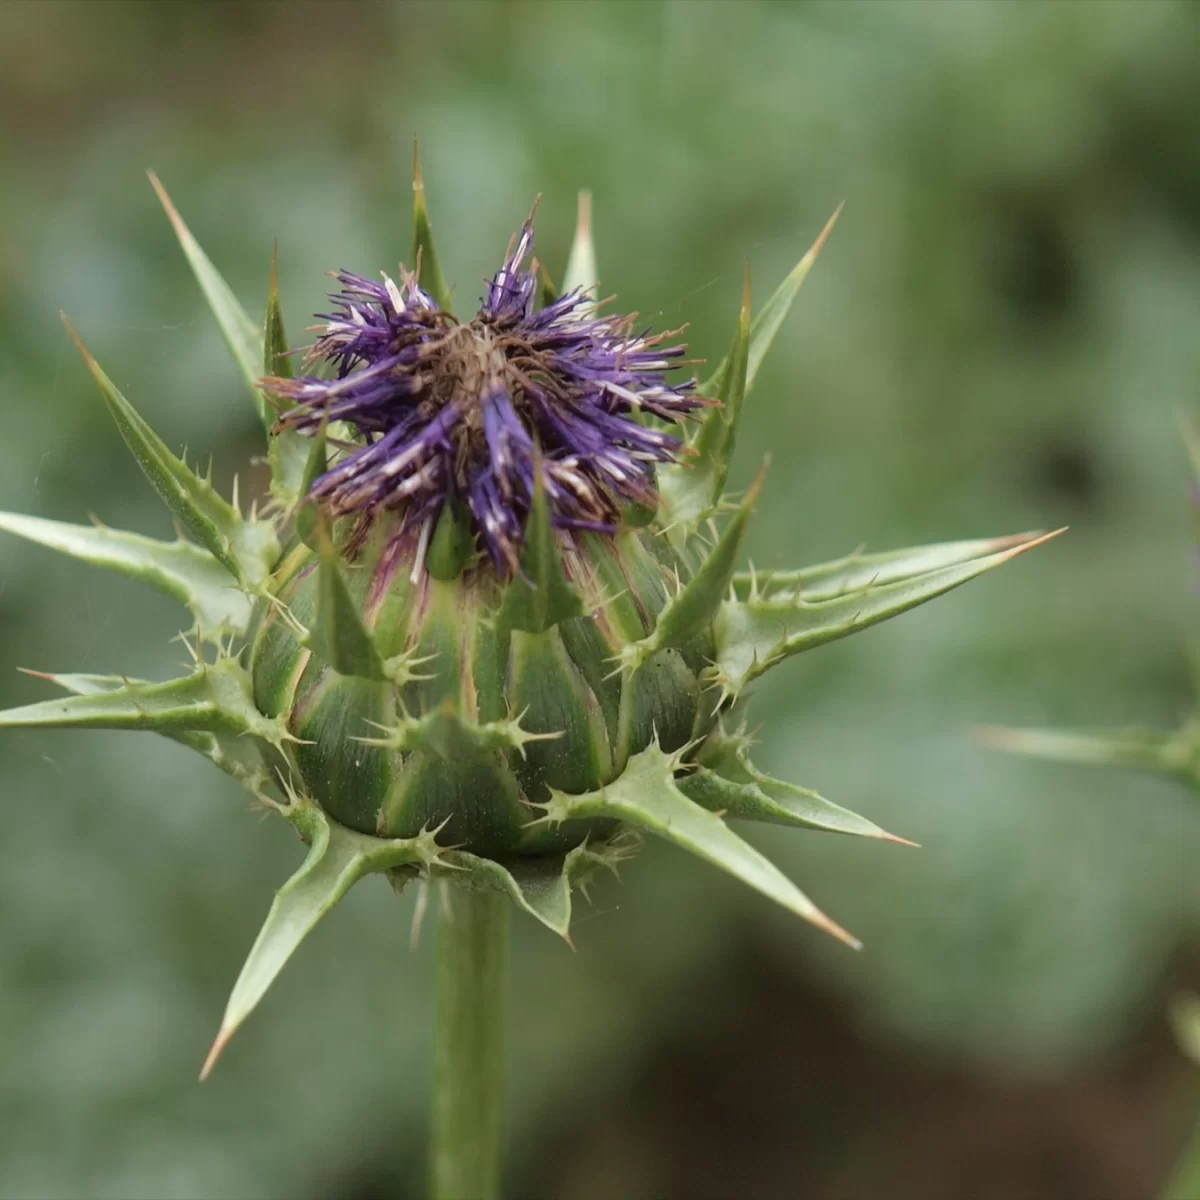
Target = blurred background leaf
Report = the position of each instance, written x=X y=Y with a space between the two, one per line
x=999 y=336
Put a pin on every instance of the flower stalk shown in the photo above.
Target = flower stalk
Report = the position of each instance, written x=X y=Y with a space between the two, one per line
x=469 y=1065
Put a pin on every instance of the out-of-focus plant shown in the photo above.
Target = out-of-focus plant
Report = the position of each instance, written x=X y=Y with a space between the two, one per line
x=1175 y=754
x=488 y=627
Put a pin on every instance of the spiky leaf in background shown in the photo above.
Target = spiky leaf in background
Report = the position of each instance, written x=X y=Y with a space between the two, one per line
x=491 y=624
x=1174 y=754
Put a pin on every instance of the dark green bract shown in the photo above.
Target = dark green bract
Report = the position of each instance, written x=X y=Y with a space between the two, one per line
x=468 y=718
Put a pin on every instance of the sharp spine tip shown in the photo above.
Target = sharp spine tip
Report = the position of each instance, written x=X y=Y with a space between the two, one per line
x=418 y=176
x=222 y=1040
x=823 y=236
x=843 y=935
x=164 y=199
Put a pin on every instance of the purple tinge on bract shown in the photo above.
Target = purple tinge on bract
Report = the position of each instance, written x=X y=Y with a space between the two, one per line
x=451 y=409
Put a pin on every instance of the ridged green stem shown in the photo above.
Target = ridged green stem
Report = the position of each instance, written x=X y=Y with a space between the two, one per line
x=469 y=1052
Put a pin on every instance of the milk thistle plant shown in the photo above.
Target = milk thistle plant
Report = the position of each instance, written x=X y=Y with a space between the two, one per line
x=488 y=629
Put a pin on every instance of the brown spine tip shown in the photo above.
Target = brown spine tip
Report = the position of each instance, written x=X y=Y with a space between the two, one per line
x=759 y=481
x=1031 y=542
x=165 y=201
x=218 y=1046
x=583 y=214
x=93 y=365
x=815 y=249
x=821 y=921
x=997 y=737
x=418 y=177
x=37 y=674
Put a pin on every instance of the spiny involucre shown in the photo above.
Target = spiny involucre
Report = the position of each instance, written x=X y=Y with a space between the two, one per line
x=489 y=626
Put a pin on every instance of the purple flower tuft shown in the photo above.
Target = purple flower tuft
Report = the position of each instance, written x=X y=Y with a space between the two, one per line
x=446 y=409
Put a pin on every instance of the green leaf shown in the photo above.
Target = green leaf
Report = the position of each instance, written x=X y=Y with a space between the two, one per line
x=247 y=549
x=241 y=334
x=540 y=595
x=424 y=256
x=540 y=887
x=695 y=605
x=186 y=572
x=337 y=859
x=753 y=635
x=1174 y=754
x=731 y=785
x=581 y=262
x=339 y=634
x=769 y=320
x=646 y=795
x=237 y=756
x=216 y=698
x=287 y=450
x=825 y=581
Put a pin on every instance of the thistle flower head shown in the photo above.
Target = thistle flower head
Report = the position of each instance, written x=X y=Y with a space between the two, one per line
x=518 y=725
x=444 y=409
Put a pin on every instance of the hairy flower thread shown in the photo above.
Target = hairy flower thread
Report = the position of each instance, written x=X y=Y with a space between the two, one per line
x=452 y=410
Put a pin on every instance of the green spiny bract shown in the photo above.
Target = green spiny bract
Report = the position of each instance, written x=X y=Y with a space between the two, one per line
x=452 y=697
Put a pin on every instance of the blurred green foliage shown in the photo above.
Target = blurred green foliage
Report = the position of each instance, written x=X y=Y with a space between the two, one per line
x=998 y=337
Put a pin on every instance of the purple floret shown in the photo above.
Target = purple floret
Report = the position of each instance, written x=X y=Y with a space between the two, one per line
x=444 y=409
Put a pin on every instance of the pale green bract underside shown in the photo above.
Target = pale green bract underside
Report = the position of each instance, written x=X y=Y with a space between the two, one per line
x=227 y=565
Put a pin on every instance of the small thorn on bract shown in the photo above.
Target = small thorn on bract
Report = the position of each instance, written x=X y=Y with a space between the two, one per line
x=898 y=840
